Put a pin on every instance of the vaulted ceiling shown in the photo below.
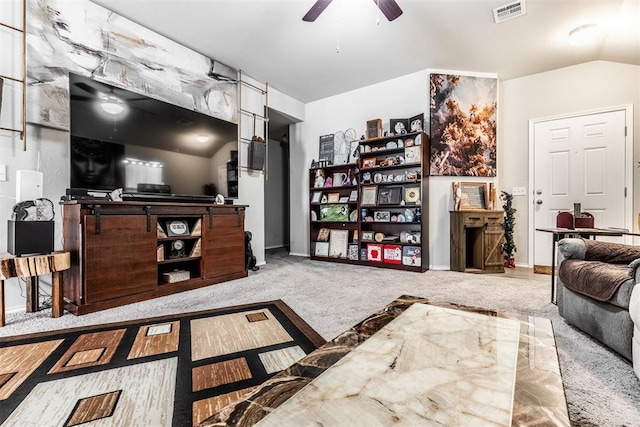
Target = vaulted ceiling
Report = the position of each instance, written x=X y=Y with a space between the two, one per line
x=352 y=45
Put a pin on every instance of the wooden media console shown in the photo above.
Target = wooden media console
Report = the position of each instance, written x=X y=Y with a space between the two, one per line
x=125 y=252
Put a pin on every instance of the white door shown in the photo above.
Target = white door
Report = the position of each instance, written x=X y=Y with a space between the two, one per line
x=578 y=160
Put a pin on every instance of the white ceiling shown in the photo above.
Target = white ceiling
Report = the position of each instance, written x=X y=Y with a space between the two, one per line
x=268 y=40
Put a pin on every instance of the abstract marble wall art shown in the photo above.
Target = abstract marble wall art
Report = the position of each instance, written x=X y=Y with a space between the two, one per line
x=463 y=125
x=90 y=40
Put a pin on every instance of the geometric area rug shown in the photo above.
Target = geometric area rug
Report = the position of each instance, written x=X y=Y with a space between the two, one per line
x=173 y=370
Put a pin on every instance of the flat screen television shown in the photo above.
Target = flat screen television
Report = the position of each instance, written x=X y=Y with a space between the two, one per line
x=122 y=139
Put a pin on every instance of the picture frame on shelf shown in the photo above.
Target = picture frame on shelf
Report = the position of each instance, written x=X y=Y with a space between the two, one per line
x=413 y=154
x=416 y=123
x=374 y=128
x=326 y=147
x=353 y=197
x=316 y=197
x=177 y=228
x=353 y=252
x=321 y=249
x=369 y=195
x=390 y=195
x=338 y=243
x=333 y=198
x=399 y=126
x=323 y=235
x=369 y=162
x=374 y=252
x=334 y=212
x=367 y=236
x=382 y=216
x=344 y=199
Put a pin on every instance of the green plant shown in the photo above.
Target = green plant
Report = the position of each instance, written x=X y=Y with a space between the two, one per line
x=508 y=247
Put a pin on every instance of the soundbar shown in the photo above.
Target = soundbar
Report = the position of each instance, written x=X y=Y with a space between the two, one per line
x=87 y=194
x=161 y=197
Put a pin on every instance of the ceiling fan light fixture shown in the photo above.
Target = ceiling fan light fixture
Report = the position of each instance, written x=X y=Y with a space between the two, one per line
x=112 y=108
x=583 y=34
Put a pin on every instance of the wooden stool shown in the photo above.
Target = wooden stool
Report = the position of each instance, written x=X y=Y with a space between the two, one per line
x=30 y=267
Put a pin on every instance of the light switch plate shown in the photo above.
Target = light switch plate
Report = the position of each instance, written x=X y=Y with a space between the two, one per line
x=3 y=172
x=519 y=191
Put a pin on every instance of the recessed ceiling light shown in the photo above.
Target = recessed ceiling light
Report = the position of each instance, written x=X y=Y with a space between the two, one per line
x=202 y=138
x=583 y=34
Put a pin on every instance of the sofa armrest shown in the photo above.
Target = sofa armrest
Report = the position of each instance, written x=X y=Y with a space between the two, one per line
x=572 y=248
x=612 y=253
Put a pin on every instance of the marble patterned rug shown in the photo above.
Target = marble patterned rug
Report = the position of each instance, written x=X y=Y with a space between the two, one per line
x=164 y=371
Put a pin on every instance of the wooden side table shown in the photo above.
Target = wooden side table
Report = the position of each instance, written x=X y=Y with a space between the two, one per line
x=30 y=267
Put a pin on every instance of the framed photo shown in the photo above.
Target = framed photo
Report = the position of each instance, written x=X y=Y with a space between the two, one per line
x=322 y=249
x=416 y=123
x=338 y=243
x=412 y=194
x=344 y=199
x=353 y=197
x=334 y=212
x=399 y=126
x=470 y=196
x=323 y=235
x=369 y=162
x=177 y=228
x=367 y=236
x=326 y=147
x=317 y=196
x=354 y=151
x=333 y=198
x=390 y=195
x=382 y=216
x=374 y=252
x=369 y=196
x=413 y=154
x=374 y=128
x=353 y=252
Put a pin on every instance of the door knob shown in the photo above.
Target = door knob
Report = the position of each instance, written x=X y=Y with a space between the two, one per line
x=539 y=201
x=538 y=192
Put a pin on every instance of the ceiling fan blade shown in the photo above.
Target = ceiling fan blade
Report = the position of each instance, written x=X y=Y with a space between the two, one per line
x=315 y=11
x=389 y=8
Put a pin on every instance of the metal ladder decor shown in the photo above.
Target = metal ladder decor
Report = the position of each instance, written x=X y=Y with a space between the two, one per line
x=256 y=95
x=22 y=80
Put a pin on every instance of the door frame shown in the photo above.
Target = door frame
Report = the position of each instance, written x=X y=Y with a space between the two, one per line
x=628 y=175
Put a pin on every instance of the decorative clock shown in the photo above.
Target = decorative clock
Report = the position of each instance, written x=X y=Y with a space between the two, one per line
x=178 y=249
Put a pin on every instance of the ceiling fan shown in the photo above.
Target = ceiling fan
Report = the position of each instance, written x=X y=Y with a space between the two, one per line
x=389 y=8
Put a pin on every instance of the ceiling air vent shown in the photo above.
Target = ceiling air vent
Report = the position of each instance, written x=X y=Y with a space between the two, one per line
x=508 y=11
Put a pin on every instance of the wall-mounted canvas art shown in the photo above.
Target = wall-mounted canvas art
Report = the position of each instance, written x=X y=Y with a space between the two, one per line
x=463 y=125
x=87 y=39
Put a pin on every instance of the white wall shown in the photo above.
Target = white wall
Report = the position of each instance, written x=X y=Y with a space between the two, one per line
x=574 y=89
x=580 y=88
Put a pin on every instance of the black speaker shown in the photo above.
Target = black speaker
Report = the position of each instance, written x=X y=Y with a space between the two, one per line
x=29 y=237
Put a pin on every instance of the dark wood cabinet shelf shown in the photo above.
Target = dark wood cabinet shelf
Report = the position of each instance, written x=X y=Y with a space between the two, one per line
x=409 y=250
x=120 y=251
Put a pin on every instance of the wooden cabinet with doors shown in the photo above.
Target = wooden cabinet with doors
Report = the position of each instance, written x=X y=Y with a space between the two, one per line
x=125 y=252
x=476 y=241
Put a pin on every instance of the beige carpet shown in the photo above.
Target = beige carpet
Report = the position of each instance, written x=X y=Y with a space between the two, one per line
x=601 y=387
